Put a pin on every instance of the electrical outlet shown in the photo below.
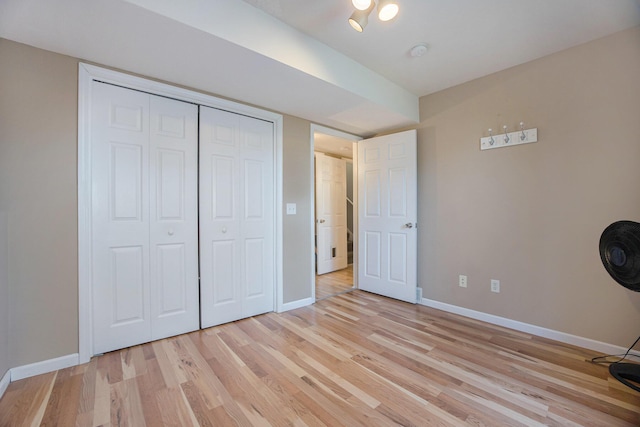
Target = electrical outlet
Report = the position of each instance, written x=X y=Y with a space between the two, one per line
x=462 y=281
x=495 y=285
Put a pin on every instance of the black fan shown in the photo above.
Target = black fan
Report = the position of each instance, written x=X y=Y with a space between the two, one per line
x=620 y=254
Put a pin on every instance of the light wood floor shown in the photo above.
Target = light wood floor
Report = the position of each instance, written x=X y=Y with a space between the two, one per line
x=351 y=360
x=334 y=283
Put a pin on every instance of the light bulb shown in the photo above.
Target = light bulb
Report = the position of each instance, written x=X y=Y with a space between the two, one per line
x=356 y=26
x=361 y=4
x=387 y=10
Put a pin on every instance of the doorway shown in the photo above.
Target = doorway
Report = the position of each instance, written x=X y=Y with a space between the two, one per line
x=385 y=249
x=335 y=212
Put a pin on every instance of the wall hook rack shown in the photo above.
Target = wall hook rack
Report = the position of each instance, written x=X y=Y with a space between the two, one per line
x=522 y=136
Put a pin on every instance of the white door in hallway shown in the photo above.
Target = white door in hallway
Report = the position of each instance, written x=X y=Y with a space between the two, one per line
x=387 y=194
x=144 y=223
x=331 y=213
x=237 y=216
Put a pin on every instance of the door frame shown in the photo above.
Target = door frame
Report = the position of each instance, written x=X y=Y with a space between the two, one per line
x=87 y=74
x=315 y=128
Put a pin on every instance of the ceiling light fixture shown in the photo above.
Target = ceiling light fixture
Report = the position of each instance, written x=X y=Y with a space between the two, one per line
x=360 y=18
x=387 y=10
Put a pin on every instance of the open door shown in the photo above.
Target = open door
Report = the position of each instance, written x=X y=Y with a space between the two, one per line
x=331 y=213
x=387 y=194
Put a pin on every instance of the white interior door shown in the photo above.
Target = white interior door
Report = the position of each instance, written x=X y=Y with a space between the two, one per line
x=144 y=223
x=173 y=206
x=237 y=212
x=331 y=214
x=387 y=195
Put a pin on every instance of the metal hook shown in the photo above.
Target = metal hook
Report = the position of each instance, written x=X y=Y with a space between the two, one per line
x=491 y=141
x=506 y=136
x=523 y=136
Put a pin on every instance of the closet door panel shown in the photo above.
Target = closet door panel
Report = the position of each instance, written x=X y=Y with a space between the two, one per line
x=258 y=215
x=174 y=221
x=236 y=216
x=220 y=281
x=120 y=206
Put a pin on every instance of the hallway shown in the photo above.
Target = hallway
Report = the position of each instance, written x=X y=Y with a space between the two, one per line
x=335 y=283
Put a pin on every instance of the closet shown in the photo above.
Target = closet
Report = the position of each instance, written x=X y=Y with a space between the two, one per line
x=182 y=217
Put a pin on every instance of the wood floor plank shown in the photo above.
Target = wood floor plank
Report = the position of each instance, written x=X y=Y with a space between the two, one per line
x=25 y=404
x=355 y=359
x=126 y=405
x=149 y=385
x=174 y=408
x=334 y=283
x=102 y=394
x=64 y=399
x=111 y=364
x=88 y=393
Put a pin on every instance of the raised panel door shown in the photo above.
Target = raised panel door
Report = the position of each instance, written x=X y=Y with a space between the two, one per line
x=331 y=214
x=388 y=239
x=173 y=182
x=237 y=255
x=120 y=198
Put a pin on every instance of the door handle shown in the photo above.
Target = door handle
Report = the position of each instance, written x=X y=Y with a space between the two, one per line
x=321 y=221
x=408 y=225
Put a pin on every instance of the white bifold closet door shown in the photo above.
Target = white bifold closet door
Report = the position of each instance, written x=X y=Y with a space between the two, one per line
x=144 y=217
x=237 y=213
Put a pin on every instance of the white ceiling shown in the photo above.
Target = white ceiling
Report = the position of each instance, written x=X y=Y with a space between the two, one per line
x=302 y=58
x=466 y=39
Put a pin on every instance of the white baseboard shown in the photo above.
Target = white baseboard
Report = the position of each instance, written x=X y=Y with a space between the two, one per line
x=44 y=367
x=527 y=328
x=4 y=382
x=295 y=304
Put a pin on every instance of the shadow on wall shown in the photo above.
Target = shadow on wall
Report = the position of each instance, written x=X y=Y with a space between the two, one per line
x=427 y=187
x=457 y=95
x=4 y=295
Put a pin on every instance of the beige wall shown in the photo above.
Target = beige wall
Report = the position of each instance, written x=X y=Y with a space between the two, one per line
x=38 y=192
x=38 y=122
x=298 y=244
x=531 y=216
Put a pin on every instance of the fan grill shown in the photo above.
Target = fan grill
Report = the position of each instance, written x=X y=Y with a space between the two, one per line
x=620 y=253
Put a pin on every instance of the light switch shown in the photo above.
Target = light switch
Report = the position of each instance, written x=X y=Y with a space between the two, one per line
x=291 y=208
